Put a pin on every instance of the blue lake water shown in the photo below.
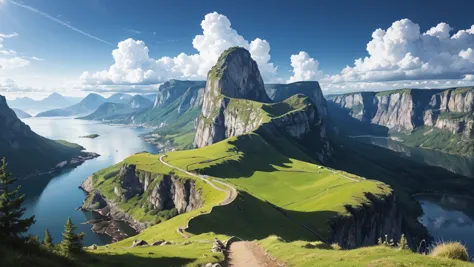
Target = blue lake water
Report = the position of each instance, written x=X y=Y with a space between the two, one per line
x=54 y=198
x=447 y=218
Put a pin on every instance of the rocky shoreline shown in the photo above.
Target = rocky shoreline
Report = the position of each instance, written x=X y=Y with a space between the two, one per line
x=157 y=140
x=109 y=215
x=108 y=226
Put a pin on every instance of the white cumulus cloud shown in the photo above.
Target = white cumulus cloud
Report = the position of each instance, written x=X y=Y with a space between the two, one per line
x=305 y=68
x=8 y=57
x=403 y=52
x=133 y=65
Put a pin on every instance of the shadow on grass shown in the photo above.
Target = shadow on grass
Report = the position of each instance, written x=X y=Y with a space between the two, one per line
x=32 y=255
x=250 y=218
x=261 y=151
x=127 y=260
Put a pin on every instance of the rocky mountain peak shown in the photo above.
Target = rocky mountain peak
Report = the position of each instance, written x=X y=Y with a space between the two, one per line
x=236 y=75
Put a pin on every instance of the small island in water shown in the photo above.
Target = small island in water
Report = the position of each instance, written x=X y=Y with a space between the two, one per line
x=91 y=136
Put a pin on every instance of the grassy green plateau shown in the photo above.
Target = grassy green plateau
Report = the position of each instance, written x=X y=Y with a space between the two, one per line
x=311 y=194
x=280 y=188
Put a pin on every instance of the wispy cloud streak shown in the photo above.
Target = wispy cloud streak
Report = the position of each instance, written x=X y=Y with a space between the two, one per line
x=67 y=25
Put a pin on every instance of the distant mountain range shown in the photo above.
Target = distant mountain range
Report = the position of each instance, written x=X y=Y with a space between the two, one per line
x=90 y=103
x=53 y=101
x=21 y=114
x=113 y=110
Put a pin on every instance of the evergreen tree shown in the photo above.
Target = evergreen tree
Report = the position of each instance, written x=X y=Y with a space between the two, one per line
x=11 y=223
x=71 y=242
x=48 y=239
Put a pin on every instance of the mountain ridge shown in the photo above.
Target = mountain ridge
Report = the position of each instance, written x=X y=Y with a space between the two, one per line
x=441 y=119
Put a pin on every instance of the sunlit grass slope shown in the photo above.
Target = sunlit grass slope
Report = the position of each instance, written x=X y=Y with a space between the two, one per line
x=311 y=193
x=295 y=254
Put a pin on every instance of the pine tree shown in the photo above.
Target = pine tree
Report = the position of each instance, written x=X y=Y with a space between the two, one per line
x=71 y=242
x=11 y=211
x=48 y=239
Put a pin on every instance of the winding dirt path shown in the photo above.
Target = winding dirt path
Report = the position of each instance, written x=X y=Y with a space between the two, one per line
x=249 y=254
x=231 y=192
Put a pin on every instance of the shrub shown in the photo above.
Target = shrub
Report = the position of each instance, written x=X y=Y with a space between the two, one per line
x=317 y=245
x=403 y=244
x=33 y=240
x=450 y=250
x=385 y=242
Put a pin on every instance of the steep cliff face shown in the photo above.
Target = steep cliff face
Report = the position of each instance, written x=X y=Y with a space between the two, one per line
x=367 y=224
x=172 y=90
x=235 y=75
x=235 y=102
x=360 y=105
x=171 y=193
x=405 y=110
x=192 y=98
x=154 y=192
x=311 y=89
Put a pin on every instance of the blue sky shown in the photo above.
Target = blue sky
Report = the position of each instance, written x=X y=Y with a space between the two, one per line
x=49 y=44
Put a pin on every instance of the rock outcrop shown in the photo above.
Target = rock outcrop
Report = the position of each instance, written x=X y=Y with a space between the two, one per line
x=164 y=192
x=407 y=109
x=235 y=102
x=172 y=192
x=235 y=75
x=172 y=90
x=367 y=224
x=311 y=89
x=192 y=98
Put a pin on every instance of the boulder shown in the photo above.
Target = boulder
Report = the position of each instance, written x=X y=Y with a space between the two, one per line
x=158 y=242
x=139 y=243
x=165 y=243
x=217 y=246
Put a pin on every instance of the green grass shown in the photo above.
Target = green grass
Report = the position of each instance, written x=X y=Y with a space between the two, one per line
x=462 y=90
x=455 y=115
x=294 y=254
x=107 y=179
x=438 y=139
x=192 y=254
x=396 y=91
x=70 y=145
x=300 y=187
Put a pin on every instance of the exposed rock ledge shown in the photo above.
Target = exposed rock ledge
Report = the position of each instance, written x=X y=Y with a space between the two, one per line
x=366 y=224
x=167 y=193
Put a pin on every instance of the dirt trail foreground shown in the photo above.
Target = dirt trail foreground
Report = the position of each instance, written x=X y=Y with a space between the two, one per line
x=248 y=254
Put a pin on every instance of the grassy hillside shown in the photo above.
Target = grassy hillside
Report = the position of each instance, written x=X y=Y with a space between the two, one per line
x=438 y=139
x=270 y=185
x=281 y=191
x=299 y=253
x=107 y=179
